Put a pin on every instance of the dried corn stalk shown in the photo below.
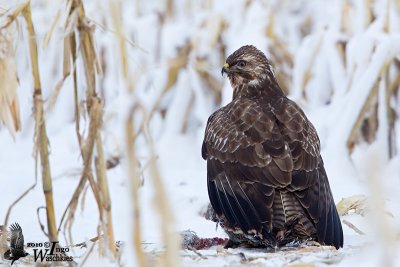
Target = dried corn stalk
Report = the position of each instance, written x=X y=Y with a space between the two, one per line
x=41 y=140
x=115 y=8
x=77 y=19
x=351 y=141
x=169 y=234
x=134 y=173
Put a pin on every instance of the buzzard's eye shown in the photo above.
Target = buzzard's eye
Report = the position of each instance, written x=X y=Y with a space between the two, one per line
x=241 y=64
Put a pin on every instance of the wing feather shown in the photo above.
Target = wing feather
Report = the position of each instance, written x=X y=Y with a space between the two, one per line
x=17 y=238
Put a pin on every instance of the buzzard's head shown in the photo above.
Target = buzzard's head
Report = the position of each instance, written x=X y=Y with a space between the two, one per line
x=247 y=65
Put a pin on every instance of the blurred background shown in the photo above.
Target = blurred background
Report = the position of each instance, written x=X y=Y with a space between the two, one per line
x=103 y=106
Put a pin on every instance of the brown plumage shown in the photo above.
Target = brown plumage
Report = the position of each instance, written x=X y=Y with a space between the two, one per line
x=266 y=179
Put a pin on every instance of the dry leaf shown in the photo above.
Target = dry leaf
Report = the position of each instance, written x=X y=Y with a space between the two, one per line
x=355 y=203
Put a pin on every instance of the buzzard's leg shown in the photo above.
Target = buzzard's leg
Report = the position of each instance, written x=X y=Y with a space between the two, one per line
x=280 y=235
x=287 y=239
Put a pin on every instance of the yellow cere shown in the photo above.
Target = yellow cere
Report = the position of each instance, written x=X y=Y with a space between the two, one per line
x=226 y=65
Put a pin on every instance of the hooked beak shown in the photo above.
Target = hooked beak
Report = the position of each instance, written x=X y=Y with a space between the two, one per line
x=225 y=69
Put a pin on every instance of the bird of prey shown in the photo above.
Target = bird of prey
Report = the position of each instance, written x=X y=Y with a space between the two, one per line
x=16 y=250
x=265 y=176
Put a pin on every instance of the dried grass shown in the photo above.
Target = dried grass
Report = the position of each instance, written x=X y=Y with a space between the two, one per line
x=9 y=103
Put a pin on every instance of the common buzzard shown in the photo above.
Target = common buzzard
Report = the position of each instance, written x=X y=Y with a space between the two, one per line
x=265 y=175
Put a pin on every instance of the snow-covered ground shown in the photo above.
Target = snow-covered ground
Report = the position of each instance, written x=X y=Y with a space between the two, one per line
x=309 y=33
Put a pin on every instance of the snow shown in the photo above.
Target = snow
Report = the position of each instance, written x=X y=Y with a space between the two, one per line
x=332 y=98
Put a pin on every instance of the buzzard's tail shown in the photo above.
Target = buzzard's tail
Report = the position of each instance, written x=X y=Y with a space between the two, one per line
x=334 y=232
x=329 y=227
x=319 y=203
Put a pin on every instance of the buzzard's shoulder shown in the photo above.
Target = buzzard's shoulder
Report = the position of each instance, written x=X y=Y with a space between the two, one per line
x=246 y=133
x=299 y=133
